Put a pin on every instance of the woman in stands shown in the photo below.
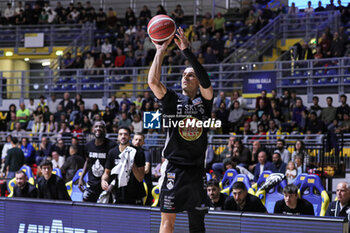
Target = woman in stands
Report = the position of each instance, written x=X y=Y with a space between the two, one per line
x=302 y=152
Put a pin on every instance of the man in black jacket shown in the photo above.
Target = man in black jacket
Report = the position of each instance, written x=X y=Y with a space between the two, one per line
x=73 y=163
x=243 y=201
x=216 y=199
x=51 y=186
x=341 y=207
x=23 y=188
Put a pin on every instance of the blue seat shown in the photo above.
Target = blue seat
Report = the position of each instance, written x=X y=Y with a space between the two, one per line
x=239 y=178
x=313 y=191
x=272 y=196
x=300 y=179
x=72 y=186
x=226 y=181
x=57 y=172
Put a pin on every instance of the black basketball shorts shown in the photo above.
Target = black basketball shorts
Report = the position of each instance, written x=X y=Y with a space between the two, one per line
x=182 y=188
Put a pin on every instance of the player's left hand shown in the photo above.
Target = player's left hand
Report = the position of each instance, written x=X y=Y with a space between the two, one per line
x=181 y=41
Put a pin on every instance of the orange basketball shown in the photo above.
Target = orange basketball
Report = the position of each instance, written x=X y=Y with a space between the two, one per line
x=160 y=28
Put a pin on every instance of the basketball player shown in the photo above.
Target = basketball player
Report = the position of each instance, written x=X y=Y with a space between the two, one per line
x=95 y=152
x=183 y=175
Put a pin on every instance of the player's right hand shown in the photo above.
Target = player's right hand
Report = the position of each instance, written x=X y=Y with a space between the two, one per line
x=81 y=185
x=162 y=47
x=104 y=185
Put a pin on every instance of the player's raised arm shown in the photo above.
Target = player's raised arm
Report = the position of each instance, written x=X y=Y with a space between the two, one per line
x=204 y=81
x=158 y=88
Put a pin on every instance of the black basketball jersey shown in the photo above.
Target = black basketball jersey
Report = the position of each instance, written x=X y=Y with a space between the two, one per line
x=185 y=144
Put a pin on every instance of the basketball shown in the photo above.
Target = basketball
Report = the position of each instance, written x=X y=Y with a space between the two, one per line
x=160 y=28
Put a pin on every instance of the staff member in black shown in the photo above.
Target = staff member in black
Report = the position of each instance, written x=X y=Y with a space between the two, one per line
x=96 y=154
x=133 y=192
x=182 y=183
x=341 y=207
x=23 y=188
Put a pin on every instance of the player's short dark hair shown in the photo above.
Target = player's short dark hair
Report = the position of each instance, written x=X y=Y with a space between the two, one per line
x=213 y=182
x=126 y=128
x=290 y=189
x=21 y=172
x=344 y=96
x=315 y=98
x=14 y=140
x=330 y=98
x=46 y=162
x=239 y=185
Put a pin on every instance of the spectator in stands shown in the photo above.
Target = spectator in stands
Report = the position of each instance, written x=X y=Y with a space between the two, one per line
x=344 y=126
x=309 y=10
x=125 y=100
x=236 y=117
x=38 y=125
x=161 y=10
x=291 y=172
x=217 y=43
x=28 y=150
x=325 y=44
x=264 y=98
x=145 y=16
x=124 y=121
x=130 y=18
x=293 y=10
x=262 y=20
x=32 y=106
x=77 y=131
x=51 y=126
x=243 y=201
x=257 y=148
x=251 y=20
x=209 y=56
x=299 y=164
x=306 y=52
x=53 y=103
x=340 y=207
x=285 y=102
x=44 y=151
x=51 y=186
x=14 y=160
x=6 y=147
x=18 y=131
x=101 y=19
x=129 y=61
x=75 y=142
x=230 y=43
x=178 y=14
x=94 y=111
x=22 y=188
x=137 y=124
x=316 y=107
x=241 y=153
x=273 y=130
x=9 y=14
x=219 y=24
x=299 y=115
x=57 y=160
x=19 y=8
x=11 y=121
x=89 y=61
x=254 y=123
x=337 y=46
x=207 y=22
x=329 y=113
x=86 y=124
x=108 y=118
x=320 y=8
x=51 y=16
x=120 y=58
x=285 y=154
x=22 y=115
x=72 y=164
x=221 y=98
x=278 y=166
x=276 y=113
x=331 y=6
x=314 y=125
x=291 y=204
x=216 y=198
x=262 y=165
x=43 y=17
x=106 y=47
x=61 y=148
x=140 y=55
x=222 y=114
x=66 y=103
x=114 y=105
